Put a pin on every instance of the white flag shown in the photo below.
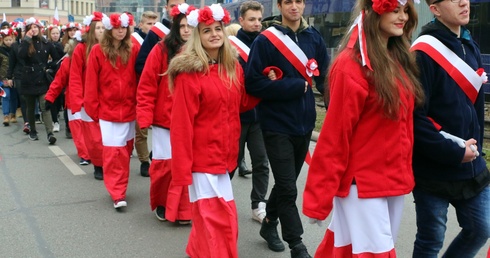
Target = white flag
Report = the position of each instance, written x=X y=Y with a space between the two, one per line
x=56 y=17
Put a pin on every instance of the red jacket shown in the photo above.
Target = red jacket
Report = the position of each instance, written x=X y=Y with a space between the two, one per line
x=110 y=92
x=359 y=142
x=77 y=78
x=205 y=128
x=60 y=82
x=154 y=100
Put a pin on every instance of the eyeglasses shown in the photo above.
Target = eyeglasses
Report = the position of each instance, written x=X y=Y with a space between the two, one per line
x=452 y=1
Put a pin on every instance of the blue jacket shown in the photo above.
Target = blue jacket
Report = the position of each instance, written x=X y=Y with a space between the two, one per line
x=150 y=41
x=247 y=38
x=434 y=156
x=285 y=107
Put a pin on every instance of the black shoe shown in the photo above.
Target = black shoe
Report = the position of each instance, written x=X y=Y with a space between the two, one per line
x=144 y=167
x=98 y=173
x=268 y=231
x=299 y=251
x=68 y=135
x=33 y=136
x=244 y=172
x=84 y=162
x=51 y=139
x=160 y=213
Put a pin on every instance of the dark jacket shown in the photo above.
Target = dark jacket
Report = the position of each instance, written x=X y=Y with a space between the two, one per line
x=4 y=61
x=247 y=38
x=150 y=41
x=33 y=78
x=16 y=64
x=285 y=107
x=434 y=157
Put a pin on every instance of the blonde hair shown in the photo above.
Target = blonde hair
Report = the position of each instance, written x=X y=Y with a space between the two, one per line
x=148 y=15
x=232 y=29
x=111 y=53
x=227 y=58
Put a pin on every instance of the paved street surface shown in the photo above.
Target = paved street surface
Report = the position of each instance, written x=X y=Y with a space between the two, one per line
x=52 y=207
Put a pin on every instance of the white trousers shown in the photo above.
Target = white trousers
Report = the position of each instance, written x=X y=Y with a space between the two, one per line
x=370 y=224
x=160 y=143
x=116 y=134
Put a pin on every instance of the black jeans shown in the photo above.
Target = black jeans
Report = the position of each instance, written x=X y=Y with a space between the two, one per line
x=252 y=135
x=286 y=156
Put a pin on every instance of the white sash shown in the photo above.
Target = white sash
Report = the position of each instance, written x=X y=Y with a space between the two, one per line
x=467 y=78
x=243 y=49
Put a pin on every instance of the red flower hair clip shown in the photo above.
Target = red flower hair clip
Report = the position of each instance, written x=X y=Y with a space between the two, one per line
x=384 y=6
x=117 y=20
x=215 y=12
x=181 y=9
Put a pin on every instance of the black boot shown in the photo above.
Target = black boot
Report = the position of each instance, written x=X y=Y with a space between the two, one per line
x=268 y=231
x=144 y=167
x=98 y=173
x=299 y=251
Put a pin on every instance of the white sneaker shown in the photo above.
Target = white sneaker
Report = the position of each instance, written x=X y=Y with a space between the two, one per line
x=56 y=127
x=120 y=203
x=259 y=213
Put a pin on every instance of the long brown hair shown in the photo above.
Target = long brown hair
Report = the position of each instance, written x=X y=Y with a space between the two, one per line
x=66 y=36
x=111 y=53
x=386 y=67
x=90 y=39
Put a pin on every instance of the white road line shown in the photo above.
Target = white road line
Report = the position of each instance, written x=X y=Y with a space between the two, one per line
x=74 y=168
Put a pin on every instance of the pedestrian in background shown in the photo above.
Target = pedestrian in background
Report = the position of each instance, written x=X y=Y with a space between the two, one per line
x=87 y=130
x=35 y=50
x=251 y=133
x=154 y=107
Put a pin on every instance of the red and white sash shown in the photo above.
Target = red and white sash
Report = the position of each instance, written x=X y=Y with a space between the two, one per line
x=467 y=78
x=160 y=29
x=136 y=38
x=243 y=49
x=290 y=50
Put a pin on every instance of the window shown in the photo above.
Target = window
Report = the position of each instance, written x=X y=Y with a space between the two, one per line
x=15 y=3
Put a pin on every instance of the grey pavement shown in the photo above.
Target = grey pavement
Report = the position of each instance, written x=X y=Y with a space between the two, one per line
x=47 y=211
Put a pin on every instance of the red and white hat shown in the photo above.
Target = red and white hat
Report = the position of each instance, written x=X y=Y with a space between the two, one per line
x=208 y=15
x=8 y=32
x=34 y=21
x=73 y=25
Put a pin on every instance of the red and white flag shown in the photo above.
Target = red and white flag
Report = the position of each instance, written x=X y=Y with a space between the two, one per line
x=4 y=18
x=56 y=17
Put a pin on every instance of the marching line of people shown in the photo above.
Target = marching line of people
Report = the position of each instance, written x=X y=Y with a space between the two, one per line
x=400 y=118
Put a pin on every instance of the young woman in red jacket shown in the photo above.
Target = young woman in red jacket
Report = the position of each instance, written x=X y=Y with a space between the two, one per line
x=81 y=125
x=208 y=94
x=154 y=104
x=362 y=164
x=110 y=98
x=60 y=82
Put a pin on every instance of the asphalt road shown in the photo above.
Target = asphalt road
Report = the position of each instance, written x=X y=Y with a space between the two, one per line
x=52 y=207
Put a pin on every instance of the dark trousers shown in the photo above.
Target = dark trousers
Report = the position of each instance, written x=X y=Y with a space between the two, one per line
x=286 y=156
x=30 y=106
x=252 y=135
x=56 y=107
x=22 y=101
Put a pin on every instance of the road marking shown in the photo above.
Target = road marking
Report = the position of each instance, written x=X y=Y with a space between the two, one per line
x=74 y=168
